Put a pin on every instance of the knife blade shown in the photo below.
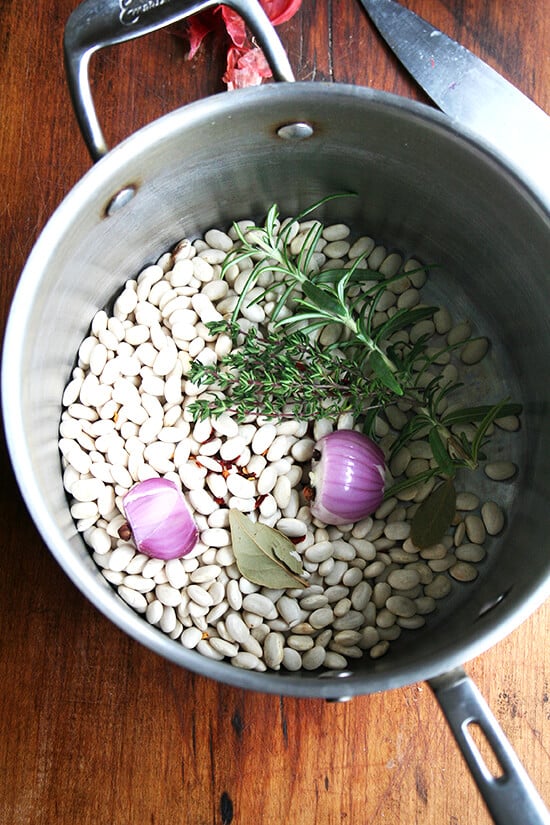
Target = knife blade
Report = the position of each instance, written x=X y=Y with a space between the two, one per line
x=468 y=90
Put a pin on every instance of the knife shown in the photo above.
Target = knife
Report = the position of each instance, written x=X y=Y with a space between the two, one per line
x=469 y=91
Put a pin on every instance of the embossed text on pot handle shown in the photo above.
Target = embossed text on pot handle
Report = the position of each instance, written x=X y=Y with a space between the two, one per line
x=99 y=23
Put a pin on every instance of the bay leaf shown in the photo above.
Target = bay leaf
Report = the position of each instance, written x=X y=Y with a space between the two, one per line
x=434 y=515
x=287 y=554
x=263 y=555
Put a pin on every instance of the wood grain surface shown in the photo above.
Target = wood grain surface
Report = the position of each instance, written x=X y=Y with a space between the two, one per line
x=94 y=728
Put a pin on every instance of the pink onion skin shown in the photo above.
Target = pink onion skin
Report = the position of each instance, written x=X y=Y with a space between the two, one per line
x=348 y=478
x=160 y=520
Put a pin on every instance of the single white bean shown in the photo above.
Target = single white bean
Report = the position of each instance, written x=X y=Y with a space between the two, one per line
x=236 y=628
x=260 y=605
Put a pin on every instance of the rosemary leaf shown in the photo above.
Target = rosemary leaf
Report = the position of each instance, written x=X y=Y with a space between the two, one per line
x=440 y=453
x=469 y=415
x=402 y=319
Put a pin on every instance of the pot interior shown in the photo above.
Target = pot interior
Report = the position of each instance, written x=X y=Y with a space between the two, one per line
x=424 y=189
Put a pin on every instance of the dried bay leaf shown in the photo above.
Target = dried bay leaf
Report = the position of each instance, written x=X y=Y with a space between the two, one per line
x=434 y=515
x=263 y=555
x=288 y=555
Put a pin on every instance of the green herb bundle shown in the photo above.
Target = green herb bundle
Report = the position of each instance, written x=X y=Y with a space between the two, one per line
x=286 y=371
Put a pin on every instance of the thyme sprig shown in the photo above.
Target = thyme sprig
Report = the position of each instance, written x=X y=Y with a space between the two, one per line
x=280 y=377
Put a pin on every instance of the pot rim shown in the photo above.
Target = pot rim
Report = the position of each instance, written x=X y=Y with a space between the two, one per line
x=230 y=101
x=97 y=183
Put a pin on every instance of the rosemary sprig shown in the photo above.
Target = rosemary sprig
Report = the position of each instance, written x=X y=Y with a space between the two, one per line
x=319 y=299
x=451 y=452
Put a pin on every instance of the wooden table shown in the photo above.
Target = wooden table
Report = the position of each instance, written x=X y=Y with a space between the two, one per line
x=94 y=728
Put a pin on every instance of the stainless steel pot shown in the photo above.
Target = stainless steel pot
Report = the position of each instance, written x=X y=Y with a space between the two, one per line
x=425 y=186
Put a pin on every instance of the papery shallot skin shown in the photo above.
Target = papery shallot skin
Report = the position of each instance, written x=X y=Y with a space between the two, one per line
x=348 y=478
x=246 y=63
x=161 y=523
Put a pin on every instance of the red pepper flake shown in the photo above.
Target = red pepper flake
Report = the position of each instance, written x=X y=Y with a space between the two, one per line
x=260 y=500
x=309 y=493
x=297 y=539
x=245 y=473
x=227 y=467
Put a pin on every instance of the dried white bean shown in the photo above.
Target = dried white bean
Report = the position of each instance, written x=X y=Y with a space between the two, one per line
x=223 y=647
x=319 y=552
x=379 y=649
x=321 y=618
x=199 y=595
x=169 y=595
x=475 y=529
x=500 y=470
x=404 y=579
x=136 y=600
x=343 y=551
x=467 y=501
x=232 y=448
x=200 y=500
x=190 y=637
x=493 y=517
x=273 y=650
x=240 y=486
x=205 y=573
x=470 y=553
x=234 y=595
x=463 y=571
x=260 y=605
x=438 y=588
x=236 y=628
x=87 y=489
x=247 y=661
x=99 y=540
x=460 y=332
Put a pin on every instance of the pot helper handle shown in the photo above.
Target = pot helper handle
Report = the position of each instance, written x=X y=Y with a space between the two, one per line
x=510 y=796
x=99 y=23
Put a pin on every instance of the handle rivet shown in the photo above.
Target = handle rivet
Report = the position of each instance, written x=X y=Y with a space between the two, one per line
x=295 y=131
x=119 y=200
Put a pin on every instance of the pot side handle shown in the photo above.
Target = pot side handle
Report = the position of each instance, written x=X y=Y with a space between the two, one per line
x=99 y=23
x=509 y=795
